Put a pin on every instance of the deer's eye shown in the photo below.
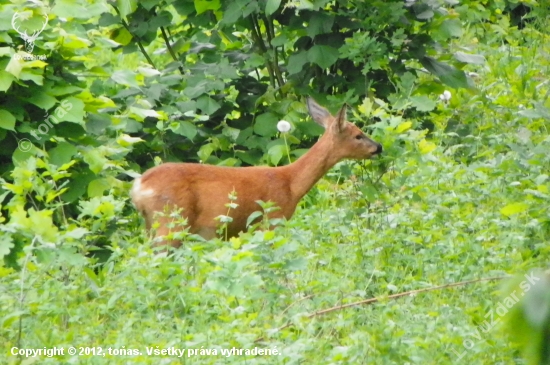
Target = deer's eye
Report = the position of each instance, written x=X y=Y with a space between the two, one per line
x=359 y=136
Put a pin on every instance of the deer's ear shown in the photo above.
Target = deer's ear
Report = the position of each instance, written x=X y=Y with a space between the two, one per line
x=340 y=121
x=319 y=114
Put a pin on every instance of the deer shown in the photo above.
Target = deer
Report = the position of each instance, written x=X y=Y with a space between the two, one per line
x=201 y=191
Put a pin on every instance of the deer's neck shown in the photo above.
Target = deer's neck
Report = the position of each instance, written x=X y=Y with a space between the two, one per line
x=309 y=168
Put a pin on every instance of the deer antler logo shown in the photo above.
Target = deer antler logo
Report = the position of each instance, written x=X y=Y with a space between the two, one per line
x=29 y=39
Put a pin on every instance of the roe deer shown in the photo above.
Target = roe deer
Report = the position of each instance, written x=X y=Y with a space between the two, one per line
x=202 y=190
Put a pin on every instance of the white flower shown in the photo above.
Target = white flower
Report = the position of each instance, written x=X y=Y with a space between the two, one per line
x=283 y=126
x=446 y=96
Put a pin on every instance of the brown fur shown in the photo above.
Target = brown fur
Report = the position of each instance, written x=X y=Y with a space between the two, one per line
x=202 y=190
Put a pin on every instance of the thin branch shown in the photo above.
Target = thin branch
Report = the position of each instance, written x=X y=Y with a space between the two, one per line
x=393 y=296
x=257 y=36
x=142 y=49
x=170 y=49
x=270 y=35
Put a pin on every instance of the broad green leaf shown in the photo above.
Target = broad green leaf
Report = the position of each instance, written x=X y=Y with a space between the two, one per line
x=451 y=28
x=126 y=141
x=425 y=15
x=310 y=128
x=324 y=56
x=252 y=217
x=95 y=159
x=207 y=105
x=126 y=78
x=530 y=113
x=426 y=146
x=470 y=58
x=6 y=79
x=14 y=67
x=423 y=103
x=70 y=110
x=74 y=42
x=42 y=224
x=121 y=36
x=77 y=233
x=126 y=7
x=296 y=62
x=405 y=126
x=148 y=71
x=203 y=5
x=35 y=64
x=6 y=51
x=78 y=185
x=271 y=6
x=140 y=113
x=62 y=153
x=319 y=23
x=447 y=74
x=266 y=124
x=70 y=9
x=67 y=255
x=42 y=100
x=32 y=75
x=7 y=120
x=185 y=128
x=514 y=208
x=276 y=152
x=205 y=151
x=97 y=187
x=64 y=90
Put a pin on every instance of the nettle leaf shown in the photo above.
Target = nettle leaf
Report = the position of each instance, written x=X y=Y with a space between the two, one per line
x=423 y=103
x=207 y=105
x=266 y=124
x=271 y=6
x=469 y=58
x=7 y=120
x=446 y=73
x=324 y=56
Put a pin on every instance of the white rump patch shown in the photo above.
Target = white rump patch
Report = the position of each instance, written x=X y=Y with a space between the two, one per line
x=138 y=192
